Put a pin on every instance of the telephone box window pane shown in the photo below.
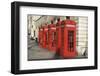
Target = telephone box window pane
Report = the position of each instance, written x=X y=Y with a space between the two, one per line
x=54 y=39
x=46 y=38
x=70 y=41
x=62 y=38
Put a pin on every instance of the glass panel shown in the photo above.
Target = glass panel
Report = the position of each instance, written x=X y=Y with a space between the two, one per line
x=70 y=41
x=54 y=39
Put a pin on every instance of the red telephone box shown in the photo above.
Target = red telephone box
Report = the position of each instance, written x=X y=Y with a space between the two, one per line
x=45 y=36
x=41 y=36
x=68 y=32
x=52 y=36
x=58 y=34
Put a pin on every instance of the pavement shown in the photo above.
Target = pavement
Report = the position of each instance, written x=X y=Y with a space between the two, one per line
x=37 y=53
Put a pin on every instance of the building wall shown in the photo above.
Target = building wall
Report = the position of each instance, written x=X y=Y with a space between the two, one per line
x=82 y=35
x=32 y=26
